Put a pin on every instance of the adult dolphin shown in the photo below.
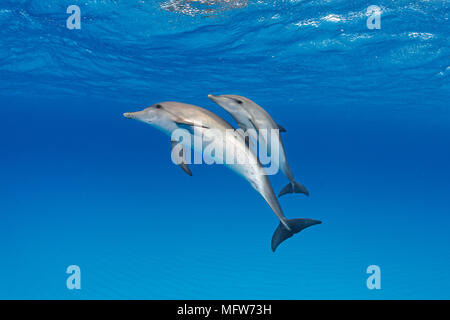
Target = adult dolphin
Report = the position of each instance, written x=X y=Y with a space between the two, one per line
x=169 y=116
x=249 y=115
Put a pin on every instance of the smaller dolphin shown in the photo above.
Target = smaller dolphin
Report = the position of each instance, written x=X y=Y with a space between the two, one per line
x=249 y=115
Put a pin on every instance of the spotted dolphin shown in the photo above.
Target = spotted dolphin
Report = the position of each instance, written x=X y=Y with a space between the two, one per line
x=169 y=116
x=249 y=115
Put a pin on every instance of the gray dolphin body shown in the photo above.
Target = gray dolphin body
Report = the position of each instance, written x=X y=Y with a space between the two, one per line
x=249 y=115
x=169 y=116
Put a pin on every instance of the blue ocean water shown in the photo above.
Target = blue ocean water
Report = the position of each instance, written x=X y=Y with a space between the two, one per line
x=368 y=132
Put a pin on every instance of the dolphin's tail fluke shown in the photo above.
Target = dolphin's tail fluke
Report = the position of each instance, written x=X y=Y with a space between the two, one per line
x=296 y=225
x=294 y=187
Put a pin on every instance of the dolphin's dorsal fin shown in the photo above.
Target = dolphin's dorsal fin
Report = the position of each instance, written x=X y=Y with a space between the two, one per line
x=281 y=128
x=180 y=157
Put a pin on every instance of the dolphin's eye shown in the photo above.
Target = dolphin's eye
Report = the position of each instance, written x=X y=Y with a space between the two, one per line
x=238 y=101
x=158 y=106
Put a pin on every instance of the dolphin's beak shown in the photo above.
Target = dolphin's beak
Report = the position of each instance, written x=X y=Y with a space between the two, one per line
x=213 y=97
x=138 y=115
x=133 y=115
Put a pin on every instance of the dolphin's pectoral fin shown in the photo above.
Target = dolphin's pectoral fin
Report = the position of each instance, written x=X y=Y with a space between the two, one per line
x=281 y=128
x=189 y=123
x=180 y=121
x=242 y=126
x=253 y=124
x=296 y=225
x=245 y=137
x=185 y=168
x=249 y=132
x=179 y=156
x=248 y=142
x=294 y=187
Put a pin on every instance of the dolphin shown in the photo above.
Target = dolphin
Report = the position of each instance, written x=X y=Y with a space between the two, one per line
x=169 y=116
x=249 y=115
